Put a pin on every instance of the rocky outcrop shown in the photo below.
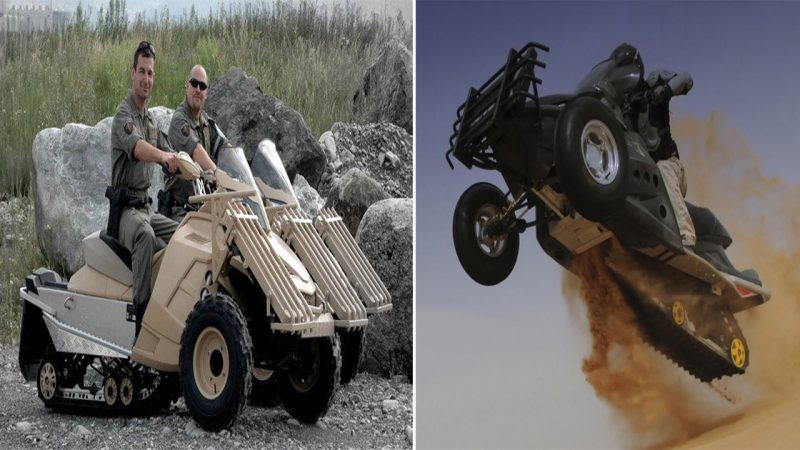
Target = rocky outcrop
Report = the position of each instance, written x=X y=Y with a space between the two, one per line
x=246 y=116
x=386 y=237
x=307 y=196
x=383 y=151
x=352 y=194
x=387 y=89
x=71 y=169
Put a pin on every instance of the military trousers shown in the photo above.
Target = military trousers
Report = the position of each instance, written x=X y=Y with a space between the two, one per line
x=138 y=230
x=674 y=175
x=177 y=213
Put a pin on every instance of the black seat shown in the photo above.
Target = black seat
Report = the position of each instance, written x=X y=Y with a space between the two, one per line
x=555 y=99
x=707 y=227
x=123 y=252
x=712 y=240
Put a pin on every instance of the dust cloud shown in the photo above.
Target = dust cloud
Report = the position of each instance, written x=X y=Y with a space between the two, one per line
x=656 y=402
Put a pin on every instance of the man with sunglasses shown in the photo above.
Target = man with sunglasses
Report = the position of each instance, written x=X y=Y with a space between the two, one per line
x=136 y=143
x=190 y=131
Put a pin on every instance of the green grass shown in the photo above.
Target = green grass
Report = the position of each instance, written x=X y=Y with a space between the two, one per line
x=19 y=255
x=310 y=58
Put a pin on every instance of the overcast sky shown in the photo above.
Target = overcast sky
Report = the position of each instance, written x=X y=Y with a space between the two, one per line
x=500 y=366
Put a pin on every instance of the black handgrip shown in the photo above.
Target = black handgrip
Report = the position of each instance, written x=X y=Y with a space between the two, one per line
x=165 y=169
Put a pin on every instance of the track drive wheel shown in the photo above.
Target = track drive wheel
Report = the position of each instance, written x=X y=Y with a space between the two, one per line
x=47 y=382
x=310 y=381
x=738 y=353
x=678 y=313
x=216 y=361
x=110 y=391
x=127 y=391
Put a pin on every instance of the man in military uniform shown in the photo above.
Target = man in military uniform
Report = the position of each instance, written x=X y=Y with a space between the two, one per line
x=190 y=131
x=135 y=143
x=654 y=127
x=651 y=119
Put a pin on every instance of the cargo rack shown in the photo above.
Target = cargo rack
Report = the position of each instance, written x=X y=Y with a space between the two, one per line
x=484 y=117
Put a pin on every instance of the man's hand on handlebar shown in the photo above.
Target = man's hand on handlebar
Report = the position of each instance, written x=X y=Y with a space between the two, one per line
x=170 y=160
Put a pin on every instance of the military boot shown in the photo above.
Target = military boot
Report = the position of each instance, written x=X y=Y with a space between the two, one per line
x=140 y=310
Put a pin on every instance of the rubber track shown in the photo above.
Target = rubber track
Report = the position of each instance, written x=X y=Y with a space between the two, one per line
x=682 y=347
x=150 y=406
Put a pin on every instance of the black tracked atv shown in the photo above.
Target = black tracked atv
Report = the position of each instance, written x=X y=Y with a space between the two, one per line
x=575 y=160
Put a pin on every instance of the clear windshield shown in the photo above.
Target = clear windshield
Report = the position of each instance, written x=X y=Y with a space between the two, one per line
x=233 y=162
x=271 y=176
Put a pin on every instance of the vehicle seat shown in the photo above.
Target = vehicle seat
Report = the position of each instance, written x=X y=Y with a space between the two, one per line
x=555 y=99
x=105 y=255
x=707 y=227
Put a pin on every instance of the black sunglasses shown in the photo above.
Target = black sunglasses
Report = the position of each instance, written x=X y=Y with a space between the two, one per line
x=195 y=83
x=146 y=46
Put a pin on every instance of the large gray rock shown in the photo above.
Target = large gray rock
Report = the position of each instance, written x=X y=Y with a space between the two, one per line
x=71 y=169
x=307 y=196
x=387 y=90
x=352 y=194
x=247 y=116
x=385 y=152
x=386 y=236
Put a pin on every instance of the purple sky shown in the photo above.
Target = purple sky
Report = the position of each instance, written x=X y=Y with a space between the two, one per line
x=500 y=366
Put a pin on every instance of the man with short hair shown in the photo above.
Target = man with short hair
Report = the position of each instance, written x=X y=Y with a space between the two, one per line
x=190 y=131
x=136 y=143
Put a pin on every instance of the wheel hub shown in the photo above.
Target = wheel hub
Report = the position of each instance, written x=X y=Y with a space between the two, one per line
x=47 y=380
x=738 y=353
x=110 y=391
x=600 y=152
x=678 y=313
x=210 y=363
x=304 y=374
x=490 y=245
x=126 y=392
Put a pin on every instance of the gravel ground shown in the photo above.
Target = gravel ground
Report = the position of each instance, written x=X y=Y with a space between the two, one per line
x=371 y=412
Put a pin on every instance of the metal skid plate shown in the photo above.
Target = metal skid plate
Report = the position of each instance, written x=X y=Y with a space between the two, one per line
x=359 y=271
x=296 y=230
x=579 y=234
x=67 y=339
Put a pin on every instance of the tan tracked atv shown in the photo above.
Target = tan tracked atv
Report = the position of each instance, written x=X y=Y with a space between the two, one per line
x=248 y=290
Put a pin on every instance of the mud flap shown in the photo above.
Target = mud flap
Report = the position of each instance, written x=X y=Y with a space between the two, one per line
x=359 y=271
x=34 y=340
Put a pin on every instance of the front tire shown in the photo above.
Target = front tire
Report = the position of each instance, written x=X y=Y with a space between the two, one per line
x=486 y=259
x=308 y=385
x=265 y=391
x=353 y=345
x=592 y=158
x=216 y=362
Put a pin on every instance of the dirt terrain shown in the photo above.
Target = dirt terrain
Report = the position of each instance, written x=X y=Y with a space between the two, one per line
x=654 y=402
x=768 y=423
x=371 y=412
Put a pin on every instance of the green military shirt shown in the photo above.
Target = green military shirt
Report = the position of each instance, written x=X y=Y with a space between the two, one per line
x=129 y=126
x=185 y=132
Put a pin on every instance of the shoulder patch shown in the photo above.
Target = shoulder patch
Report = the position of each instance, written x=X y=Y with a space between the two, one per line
x=129 y=127
x=185 y=129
